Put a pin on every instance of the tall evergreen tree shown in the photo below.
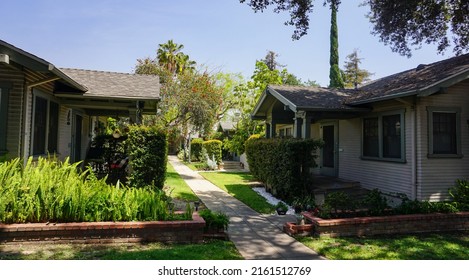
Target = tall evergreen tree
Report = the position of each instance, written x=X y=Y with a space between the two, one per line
x=335 y=77
x=353 y=75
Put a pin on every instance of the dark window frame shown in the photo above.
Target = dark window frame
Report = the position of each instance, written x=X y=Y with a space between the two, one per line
x=441 y=111
x=384 y=137
x=4 y=102
x=49 y=139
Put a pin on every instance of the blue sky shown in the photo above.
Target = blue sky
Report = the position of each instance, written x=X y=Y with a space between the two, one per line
x=222 y=35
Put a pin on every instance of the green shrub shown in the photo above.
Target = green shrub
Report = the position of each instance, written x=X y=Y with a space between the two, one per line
x=214 y=221
x=148 y=152
x=460 y=193
x=375 y=203
x=196 y=149
x=214 y=149
x=50 y=190
x=284 y=165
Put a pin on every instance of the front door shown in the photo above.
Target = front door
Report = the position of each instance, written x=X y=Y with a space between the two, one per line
x=329 y=154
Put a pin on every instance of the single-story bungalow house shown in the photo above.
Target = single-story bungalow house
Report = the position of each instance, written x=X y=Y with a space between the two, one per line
x=407 y=133
x=48 y=110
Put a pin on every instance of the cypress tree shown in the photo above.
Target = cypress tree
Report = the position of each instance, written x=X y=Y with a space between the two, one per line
x=335 y=77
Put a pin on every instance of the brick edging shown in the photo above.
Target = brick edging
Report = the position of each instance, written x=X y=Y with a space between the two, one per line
x=104 y=232
x=398 y=224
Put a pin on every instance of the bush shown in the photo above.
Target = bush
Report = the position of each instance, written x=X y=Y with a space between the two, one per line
x=214 y=221
x=49 y=190
x=196 y=149
x=283 y=165
x=214 y=149
x=460 y=193
x=375 y=202
x=148 y=152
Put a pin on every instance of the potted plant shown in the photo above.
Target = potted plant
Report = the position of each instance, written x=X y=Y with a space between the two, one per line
x=282 y=208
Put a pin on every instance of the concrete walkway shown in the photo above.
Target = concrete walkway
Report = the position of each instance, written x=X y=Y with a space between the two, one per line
x=256 y=236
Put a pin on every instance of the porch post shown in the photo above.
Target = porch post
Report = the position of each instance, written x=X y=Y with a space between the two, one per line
x=267 y=130
x=273 y=125
x=298 y=124
x=306 y=126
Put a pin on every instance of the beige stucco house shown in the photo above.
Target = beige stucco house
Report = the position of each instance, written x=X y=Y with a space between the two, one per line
x=406 y=133
x=48 y=110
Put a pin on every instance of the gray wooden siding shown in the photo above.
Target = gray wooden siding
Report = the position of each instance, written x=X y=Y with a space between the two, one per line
x=389 y=177
x=437 y=175
x=14 y=109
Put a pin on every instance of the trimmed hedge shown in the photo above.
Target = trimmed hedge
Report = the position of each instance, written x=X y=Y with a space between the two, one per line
x=214 y=148
x=148 y=151
x=196 y=149
x=283 y=165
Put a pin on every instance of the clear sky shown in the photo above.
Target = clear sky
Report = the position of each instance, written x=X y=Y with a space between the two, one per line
x=223 y=35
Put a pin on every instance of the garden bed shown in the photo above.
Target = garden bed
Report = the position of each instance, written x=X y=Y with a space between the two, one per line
x=398 y=224
x=107 y=232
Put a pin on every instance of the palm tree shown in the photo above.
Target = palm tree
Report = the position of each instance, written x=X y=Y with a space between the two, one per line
x=167 y=55
x=184 y=63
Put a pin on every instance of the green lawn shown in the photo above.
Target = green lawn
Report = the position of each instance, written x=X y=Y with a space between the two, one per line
x=212 y=250
x=237 y=185
x=443 y=246
x=176 y=187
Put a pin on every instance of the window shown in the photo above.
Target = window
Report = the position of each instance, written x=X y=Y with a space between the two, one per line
x=4 y=93
x=45 y=127
x=444 y=132
x=383 y=137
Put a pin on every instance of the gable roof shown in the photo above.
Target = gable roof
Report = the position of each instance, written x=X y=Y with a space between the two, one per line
x=18 y=56
x=114 y=85
x=423 y=80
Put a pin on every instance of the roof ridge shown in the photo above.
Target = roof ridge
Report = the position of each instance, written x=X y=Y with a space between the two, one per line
x=99 y=71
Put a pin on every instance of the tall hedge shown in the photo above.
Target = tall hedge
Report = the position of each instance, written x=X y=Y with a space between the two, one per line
x=214 y=148
x=284 y=165
x=148 y=152
x=196 y=149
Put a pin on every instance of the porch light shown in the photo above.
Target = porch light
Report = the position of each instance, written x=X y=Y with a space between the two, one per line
x=116 y=134
x=69 y=116
x=4 y=58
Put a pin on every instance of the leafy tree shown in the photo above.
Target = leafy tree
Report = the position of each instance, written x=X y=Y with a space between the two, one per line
x=271 y=60
x=353 y=74
x=400 y=24
x=335 y=76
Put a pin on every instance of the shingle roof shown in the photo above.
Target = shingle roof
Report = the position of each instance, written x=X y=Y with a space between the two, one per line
x=116 y=85
x=313 y=97
x=424 y=79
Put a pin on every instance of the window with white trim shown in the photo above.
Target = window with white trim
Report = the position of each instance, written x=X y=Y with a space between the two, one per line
x=45 y=125
x=383 y=136
x=444 y=132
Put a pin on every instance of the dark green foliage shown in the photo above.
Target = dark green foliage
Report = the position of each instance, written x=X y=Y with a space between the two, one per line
x=335 y=75
x=214 y=221
x=196 y=149
x=148 y=150
x=284 y=165
x=214 y=149
x=375 y=202
x=460 y=193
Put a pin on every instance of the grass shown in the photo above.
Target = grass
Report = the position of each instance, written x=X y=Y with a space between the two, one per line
x=210 y=250
x=176 y=187
x=441 y=246
x=238 y=185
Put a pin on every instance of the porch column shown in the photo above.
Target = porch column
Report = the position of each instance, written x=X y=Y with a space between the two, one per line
x=298 y=124
x=273 y=127
x=306 y=128
x=267 y=130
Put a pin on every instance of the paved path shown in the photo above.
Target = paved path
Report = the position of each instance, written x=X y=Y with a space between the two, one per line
x=256 y=236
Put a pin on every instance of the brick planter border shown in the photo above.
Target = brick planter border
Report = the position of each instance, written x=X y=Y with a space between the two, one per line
x=107 y=232
x=399 y=224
